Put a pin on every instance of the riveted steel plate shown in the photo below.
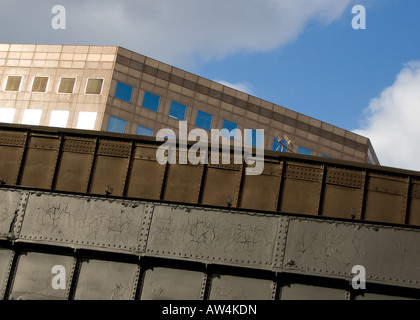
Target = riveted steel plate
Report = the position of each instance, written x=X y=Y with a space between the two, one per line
x=74 y=171
x=414 y=207
x=86 y=222
x=109 y=175
x=106 y=280
x=183 y=183
x=261 y=192
x=214 y=235
x=386 y=199
x=34 y=277
x=11 y=158
x=298 y=291
x=145 y=179
x=227 y=287
x=389 y=255
x=6 y=257
x=221 y=187
x=9 y=203
x=342 y=202
x=40 y=162
x=172 y=284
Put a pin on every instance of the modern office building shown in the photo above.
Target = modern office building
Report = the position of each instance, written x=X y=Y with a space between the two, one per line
x=113 y=89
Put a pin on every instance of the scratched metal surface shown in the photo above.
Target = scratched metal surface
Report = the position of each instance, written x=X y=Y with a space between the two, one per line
x=298 y=291
x=33 y=277
x=227 y=287
x=106 y=280
x=213 y=235
x=389 y=255
x=9 y=202
x=172 y=284
x=85 y=222
x=6 y=257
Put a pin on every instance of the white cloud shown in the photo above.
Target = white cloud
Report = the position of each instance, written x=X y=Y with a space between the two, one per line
x=392 y=120
x=177 y=32
x=240 y=86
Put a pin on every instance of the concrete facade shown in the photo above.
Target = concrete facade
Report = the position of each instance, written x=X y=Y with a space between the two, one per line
x=108 y=67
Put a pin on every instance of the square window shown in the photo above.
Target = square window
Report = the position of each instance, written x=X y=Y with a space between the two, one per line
x=94 y=86
x=143 y=131
x=151 y=101
x=7 y=115
x=116 y=125
x=177 y=111
x=280 y=146
x=40 y=84
x=203 y=120
x=302 y=150
x=59 y=118
x=32 y=117
x=230 y=126
x=86 y=120
x=66 y=85
x=123 y=92
x=13 y=83
x=254 y=138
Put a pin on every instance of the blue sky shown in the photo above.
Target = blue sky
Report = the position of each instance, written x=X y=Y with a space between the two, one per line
x=300 y=54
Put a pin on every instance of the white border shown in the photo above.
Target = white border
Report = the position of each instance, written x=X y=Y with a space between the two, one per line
x=46 y=88
x=58 y=87
x=7 y=80
x=94 y=94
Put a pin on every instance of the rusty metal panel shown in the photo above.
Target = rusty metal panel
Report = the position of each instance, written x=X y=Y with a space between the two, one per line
x=389 y=255
x=6 y=258
x=386 y=199
x=214 y=235
x=111 y=167
x=343 y=193
x=342 y=202
x=261 y=192
x=173 y=284
x=298 y=291
x=414 y=209
x=146 y=175
x=106 y=280
x=86 y=222
x=9 y=203
x=183 y=183
x=226 y=287
x=41 y=160
x=75 y=164
x=33 y=279
x=301 y=189
x=12 y=146
x=222 y=182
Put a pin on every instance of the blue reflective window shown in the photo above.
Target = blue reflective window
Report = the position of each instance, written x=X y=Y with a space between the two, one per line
x=280 y=146
x=116 y=125
x=123 y=92
x=302 y=150
x=143 y=131
x=203 y=120
x=177 y=111
x=254 y=138
x=230 y=126
x=325 y=156
x=151 y=101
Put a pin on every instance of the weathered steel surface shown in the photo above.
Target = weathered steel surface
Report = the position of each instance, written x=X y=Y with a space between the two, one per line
x=227 y=287
x=173 y=284
x=86 y=222
x=332 y=248
x=9 y=203
x=213 y=235
x=106 y=280
x=6 y=257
